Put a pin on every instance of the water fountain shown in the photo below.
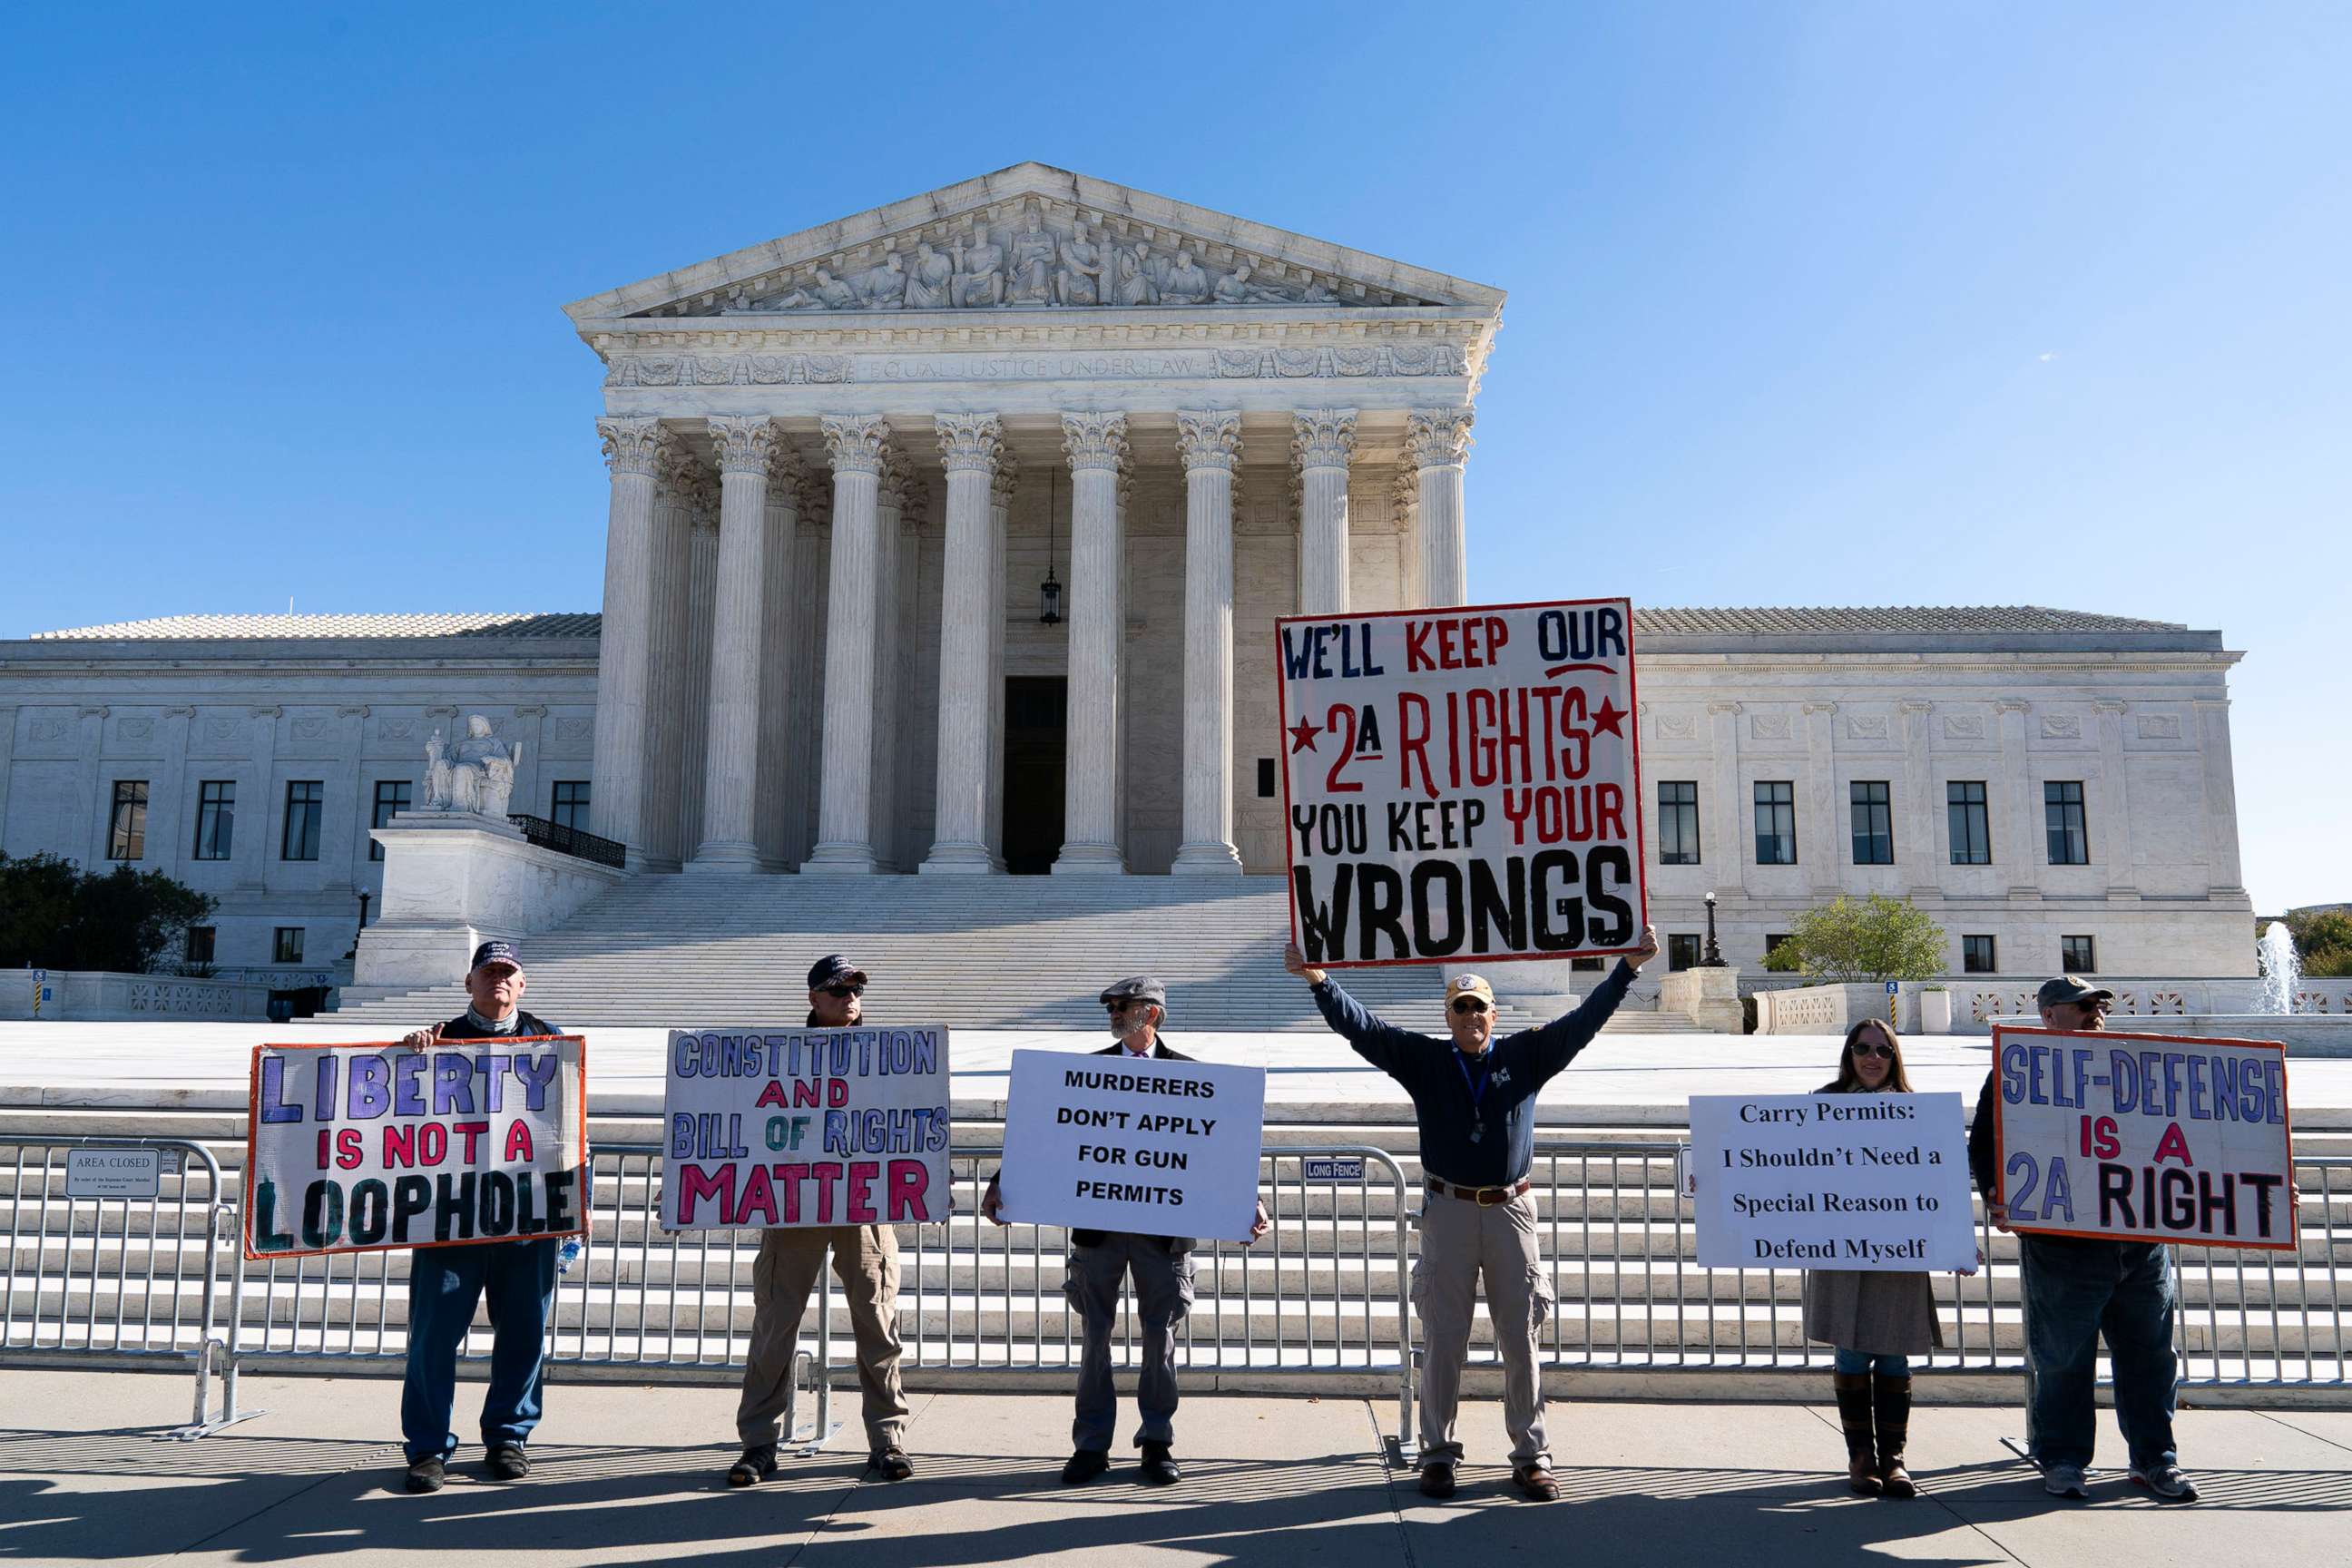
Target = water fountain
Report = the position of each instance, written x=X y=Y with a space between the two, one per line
x=2281 y=968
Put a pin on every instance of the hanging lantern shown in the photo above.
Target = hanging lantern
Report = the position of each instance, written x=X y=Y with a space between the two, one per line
x=1049 y=591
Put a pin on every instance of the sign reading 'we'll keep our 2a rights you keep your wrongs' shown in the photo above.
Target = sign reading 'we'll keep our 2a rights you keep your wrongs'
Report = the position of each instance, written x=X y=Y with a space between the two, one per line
x=1462 y=784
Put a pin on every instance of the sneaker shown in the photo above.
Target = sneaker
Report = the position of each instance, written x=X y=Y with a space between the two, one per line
x=427 y=1474
x=2166 y=1481
x=2063 y=1480
x=891 y=1463
x=756 y=1465
x=1437 y=1480
x=1084 y=1465
x=1159 y=1468
x=507 y=1461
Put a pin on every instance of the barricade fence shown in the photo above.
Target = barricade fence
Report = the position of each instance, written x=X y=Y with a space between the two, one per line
x=1324 y=1296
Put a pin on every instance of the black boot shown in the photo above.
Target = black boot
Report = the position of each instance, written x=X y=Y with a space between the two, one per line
x=1891 y=1404
x=1861 y=1447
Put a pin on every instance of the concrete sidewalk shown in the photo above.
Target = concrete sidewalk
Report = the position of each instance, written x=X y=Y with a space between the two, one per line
x=629 y=1475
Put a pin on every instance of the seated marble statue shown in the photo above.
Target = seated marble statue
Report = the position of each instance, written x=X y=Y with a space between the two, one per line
x=1080 y=279
x=979 y=269
x=1034 y=250
x=1187 y=282
x=929 y=280
x=478 y=776
x=883 y=286
x=1132 y=281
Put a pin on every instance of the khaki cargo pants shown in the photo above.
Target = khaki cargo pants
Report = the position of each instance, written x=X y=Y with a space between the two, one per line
x=866 y=1260
x=1462 y=1243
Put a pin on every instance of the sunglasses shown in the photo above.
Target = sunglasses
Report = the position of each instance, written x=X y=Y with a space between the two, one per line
x=842 y=992
x=1469 y=1005
x=1883 y=1053
x=1122 y=1004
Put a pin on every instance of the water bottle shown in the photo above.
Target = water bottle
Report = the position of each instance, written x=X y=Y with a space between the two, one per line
x=566 y=1254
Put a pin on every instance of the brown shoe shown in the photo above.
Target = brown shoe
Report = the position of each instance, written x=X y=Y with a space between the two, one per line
x=1536 y=1481
x=1891 y=1404
x=1861 y=1439
x=1437 y=1480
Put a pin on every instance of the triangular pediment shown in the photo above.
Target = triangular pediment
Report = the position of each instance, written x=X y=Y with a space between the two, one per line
x=1033 y=237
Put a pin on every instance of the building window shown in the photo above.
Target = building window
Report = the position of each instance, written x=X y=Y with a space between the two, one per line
x=1976 y=956
x=1772 y=940
x=2078 y=955
x=1585 y=965
x=1874 y=823
x=1678 y=822
x=1265 y=778
x=286 y=948
x=1775 y=823
x=568 y=804
x=1682 y=950
x=126 y=834
x=216 y=818
x=201 y=943
x=392 y=796
x=1964 y=807
x=306 y=800
x=2062 y=811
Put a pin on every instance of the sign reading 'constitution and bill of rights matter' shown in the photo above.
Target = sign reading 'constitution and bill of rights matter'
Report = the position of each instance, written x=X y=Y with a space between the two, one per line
x=2150 y=1137
x=1462 y=784
x=359 y=1148
x=1869 y=1181
x=786 y=1128
x=1132 y=1143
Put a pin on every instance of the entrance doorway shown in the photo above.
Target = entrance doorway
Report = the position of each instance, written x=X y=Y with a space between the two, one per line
x=1036 y=715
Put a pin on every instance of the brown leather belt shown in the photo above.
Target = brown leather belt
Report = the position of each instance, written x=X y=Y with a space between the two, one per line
x=1485 y=1197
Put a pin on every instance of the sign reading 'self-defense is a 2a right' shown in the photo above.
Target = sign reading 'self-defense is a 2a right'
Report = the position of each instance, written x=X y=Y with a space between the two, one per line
x=1462 y=784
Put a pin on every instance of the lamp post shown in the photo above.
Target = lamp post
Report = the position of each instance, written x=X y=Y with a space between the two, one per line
x=355 y=935
x=1714 y=959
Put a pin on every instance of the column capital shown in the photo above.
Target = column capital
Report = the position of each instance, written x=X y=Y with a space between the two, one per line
x=1003 y=482
x=2012 y=705
x=857 y=443
x=1438 y=437
x=814 y=493
x=1916 y=706
x=1208 y=437
x=632 y=445
x=1404 y=497
x=1322 y=437
x=2109 y=705
x=970 y=442
x=899 y=490
x=1095 y=441
x=744 y=443
x=786 y=478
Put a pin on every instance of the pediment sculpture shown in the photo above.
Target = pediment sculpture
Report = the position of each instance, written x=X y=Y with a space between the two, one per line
x=1042 y=259
x=476 y=776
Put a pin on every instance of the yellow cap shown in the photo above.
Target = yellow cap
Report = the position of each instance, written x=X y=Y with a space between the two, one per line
x=1468 y=985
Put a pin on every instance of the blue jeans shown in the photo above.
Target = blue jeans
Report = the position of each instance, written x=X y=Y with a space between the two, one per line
x=1854 y=1361
x=2075 y=1292
x=443 y=1284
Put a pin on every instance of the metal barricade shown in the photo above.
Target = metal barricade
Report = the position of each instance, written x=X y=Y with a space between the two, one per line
x=122 y=1279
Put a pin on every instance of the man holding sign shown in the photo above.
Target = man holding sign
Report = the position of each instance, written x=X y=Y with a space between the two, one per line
x=2093 y=1156
x=1474 y=1099
x=1137 y=1165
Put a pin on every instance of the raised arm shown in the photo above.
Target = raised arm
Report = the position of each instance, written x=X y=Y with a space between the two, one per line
x=1374 y=1038
x=1554 y=1045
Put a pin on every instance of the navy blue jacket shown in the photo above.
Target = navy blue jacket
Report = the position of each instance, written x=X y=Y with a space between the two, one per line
x=1447 y=1103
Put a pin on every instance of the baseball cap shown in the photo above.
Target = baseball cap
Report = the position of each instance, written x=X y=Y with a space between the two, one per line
x=2068 y=988
x=834 y=970
x=1469 y=986
x=504 y=952
x=1137 y=989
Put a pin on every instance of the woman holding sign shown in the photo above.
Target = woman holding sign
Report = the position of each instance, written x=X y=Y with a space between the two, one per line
x=1876 y=1321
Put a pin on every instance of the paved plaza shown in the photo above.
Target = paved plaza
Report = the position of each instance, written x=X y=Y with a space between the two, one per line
x=631 y=1475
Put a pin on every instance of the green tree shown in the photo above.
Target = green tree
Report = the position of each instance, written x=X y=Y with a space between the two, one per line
x=1873 y=938
x=2322 y=938
x=53 y=915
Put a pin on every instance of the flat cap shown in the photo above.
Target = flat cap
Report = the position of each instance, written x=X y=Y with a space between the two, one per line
x=1135 y=988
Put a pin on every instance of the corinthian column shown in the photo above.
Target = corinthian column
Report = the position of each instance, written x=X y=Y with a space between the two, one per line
x=999 y=518
x=745 y=445
x=633 y=448
x=858 y=446
x=968 y=447
x=1096 y=444
x=1436 y=441
x=668 y=684
x=899 y=512
x=1321 y=442
x=780 y=590
x=1210 y=443
x=701 y=600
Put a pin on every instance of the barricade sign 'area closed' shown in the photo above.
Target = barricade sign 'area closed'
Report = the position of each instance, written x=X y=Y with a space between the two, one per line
x=786 y=1128
x=1870 y=1182
x=1132 y=1143
x=2147 y=1137
x=359 y=1148
x=1462 y=783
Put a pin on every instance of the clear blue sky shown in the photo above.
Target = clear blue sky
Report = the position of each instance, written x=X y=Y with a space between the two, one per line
x=1853 y=303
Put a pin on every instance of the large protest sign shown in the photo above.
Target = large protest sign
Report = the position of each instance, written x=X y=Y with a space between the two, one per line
x=785 y=1128
x=1462 y=784
x=2149 y=1137
x=359 y=1148
x=1869 y=1181
x=1132 y=1143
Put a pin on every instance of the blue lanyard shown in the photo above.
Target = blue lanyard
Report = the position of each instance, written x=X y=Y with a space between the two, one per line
x=1477 y=1084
